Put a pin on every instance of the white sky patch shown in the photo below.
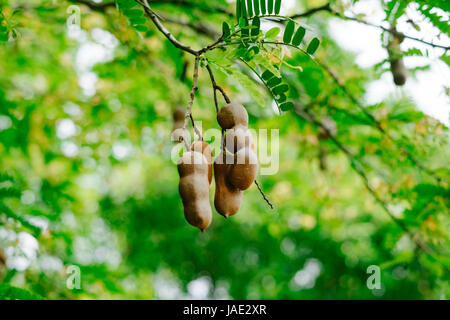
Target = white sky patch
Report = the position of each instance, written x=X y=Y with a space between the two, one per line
x=65 y=128
x=91 y=52
x=20 y=257
x=199 y=288
x=122 y=149
x=306 y=277
x=69 y=149
x=5 y=122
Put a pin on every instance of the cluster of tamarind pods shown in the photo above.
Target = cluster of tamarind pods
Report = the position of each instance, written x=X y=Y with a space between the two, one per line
x=235 y=168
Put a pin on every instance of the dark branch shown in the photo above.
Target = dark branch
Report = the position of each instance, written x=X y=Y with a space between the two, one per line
x=325 y=7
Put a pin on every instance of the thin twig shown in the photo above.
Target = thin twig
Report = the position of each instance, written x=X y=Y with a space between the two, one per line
x=325 y=7
x=216 y=87
x=191 y=99
x=163 y=29
x=435 y=45
x=263 y=195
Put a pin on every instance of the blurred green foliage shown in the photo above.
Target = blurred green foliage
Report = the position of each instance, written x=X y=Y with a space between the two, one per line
x=87 y=180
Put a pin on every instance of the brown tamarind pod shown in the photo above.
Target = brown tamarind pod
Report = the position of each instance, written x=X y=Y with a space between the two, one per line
x=205 y=149
x=194 y=189
x=242 y=173
x=237 y=138
x=399 y=71
x=231 y=115
x=227 y=200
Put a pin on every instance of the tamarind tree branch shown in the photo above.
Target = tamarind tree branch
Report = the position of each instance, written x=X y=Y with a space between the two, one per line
x=376 y=123
x=327 y=8
x=163 y=29
x=308 y=116
x=343 y=17
x=185 y=3
x=191 y=99
x=216 y=87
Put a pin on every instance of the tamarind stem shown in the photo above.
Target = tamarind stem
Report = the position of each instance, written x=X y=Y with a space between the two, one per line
x=191 y=99
x=263 y=195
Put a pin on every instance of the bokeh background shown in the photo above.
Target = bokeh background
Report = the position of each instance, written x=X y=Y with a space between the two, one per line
x=87 y=177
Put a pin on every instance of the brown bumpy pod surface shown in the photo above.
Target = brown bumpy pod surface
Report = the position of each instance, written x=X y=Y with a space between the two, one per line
x=205 y=149
x=194 y=189
x=242 y=173
x=399 y=72
x=231 y=115
x=227 y=200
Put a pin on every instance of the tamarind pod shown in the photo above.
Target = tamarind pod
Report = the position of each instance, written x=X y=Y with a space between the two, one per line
x=194 y=189
x=399 y=71
x=231 y=115
x=205 y=149
x=227 y=200
x=242 y=173
x=237 y=138
x=179 y=113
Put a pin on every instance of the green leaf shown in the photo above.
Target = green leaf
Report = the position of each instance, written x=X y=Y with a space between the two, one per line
x=226 y=30
x=243 y=9
x=280 y=89
x=256 y=7
x=313 y=45
x=272 y=33
x=281 y=98
x=266 y=64
x=256 y=23
x=8 y=292
x=137 y=21
x=245 y=30
x=238 y=10
x=288 y=32
x=242 y=22
x=125 y=4
x=141 y=28
x=250 y=86
x=270 y=6
x=251 y=52
x=287 y=106
x=273 y=82
x=277 y=6
x=263 y=6
x=249 y=8
x=298 y=37
x=267 y=75
x=133 y=13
